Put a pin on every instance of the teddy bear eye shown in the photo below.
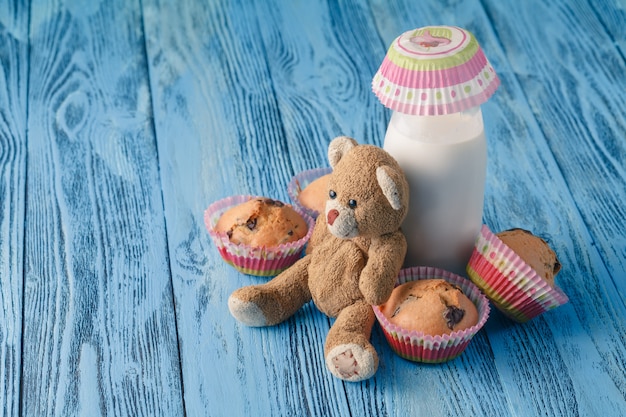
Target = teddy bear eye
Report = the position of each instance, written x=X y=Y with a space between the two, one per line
x=332 y=194
x=352 y=204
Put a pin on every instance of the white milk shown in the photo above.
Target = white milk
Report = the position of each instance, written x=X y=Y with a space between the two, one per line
x=444 y=159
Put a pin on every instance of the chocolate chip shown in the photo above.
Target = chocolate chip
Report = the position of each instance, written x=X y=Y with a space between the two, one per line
x=520 y=229
x=453 y=316
x=271 y=202
x=290 y=233
x=557 y=266
x=456 y=287
x=251 y=224
x=408 y=299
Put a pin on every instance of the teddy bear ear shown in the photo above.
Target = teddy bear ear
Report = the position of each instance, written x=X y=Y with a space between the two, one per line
x=388 y=186
x=338 y=147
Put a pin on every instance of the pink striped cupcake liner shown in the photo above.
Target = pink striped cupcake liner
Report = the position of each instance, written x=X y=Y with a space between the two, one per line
x=434 y=70
x=259 y=261
x=299 y=182
x=419 y=347
x=510 y=283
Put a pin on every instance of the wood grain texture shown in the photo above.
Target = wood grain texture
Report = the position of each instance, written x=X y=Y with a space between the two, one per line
x=13 y=115
x=526 y=188
x=121 y=121
x=575 y=87
x=99 y=332
x=219 y=134
x=612 y=15
x=574 y=97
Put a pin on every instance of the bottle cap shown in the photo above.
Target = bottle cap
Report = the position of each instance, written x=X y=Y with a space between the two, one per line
x=434 y=70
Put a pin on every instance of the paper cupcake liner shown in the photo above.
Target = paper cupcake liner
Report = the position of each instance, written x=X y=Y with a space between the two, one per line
x=510 y=283
x=260 y=261
x=434 y=70
x=299 y=182
x=419 y=347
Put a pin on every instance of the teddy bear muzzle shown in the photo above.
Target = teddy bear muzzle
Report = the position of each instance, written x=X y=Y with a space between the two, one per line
x=341 y=220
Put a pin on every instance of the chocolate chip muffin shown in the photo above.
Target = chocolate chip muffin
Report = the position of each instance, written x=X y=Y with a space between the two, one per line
x=534 y=251
x=262 y=222
x=432 y=306
x=314 y=195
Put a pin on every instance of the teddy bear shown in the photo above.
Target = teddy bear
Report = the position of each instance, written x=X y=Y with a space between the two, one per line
x=351 y=262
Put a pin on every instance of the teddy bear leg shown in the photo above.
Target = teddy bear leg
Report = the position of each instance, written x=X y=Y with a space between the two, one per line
x=349 y=354
x=275 y=301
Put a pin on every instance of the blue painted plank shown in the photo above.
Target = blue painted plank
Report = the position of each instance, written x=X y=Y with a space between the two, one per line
x=99 y=329
x=612 y=14
x=527 y=188
x=13 y=111
x=575 y=87
x=219 y=134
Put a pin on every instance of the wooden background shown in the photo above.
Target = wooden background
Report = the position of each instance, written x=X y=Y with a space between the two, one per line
x=122 y=120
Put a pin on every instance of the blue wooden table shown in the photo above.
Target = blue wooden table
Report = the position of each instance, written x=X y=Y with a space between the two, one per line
x=122 y=120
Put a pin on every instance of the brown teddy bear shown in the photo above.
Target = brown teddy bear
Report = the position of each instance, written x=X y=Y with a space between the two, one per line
x=352 y=260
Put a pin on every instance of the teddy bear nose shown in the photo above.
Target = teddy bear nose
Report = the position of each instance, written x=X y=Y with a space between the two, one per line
x=332 y=215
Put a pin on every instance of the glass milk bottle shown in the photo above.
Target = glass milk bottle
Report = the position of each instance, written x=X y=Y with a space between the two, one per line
x=434 y=79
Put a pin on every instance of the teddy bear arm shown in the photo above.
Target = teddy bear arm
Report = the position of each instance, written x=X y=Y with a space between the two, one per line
x=378 y=278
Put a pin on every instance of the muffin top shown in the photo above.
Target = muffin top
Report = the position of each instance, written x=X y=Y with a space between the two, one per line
x=432 y=306
x=534 y=251
x=314 y=195
x=262 y=222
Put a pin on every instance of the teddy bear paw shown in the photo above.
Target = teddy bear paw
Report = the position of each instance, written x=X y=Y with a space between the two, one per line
x=351 y=362
x=247 y=312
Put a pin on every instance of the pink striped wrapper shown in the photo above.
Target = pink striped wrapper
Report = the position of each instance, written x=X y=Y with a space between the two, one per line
x=419 y=347
x=434 y=70
x=510 y=283
x=260 y=261
x=299 y=182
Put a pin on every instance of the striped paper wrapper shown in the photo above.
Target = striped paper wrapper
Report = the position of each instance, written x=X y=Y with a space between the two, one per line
x=434 y=70
x=510 y=283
